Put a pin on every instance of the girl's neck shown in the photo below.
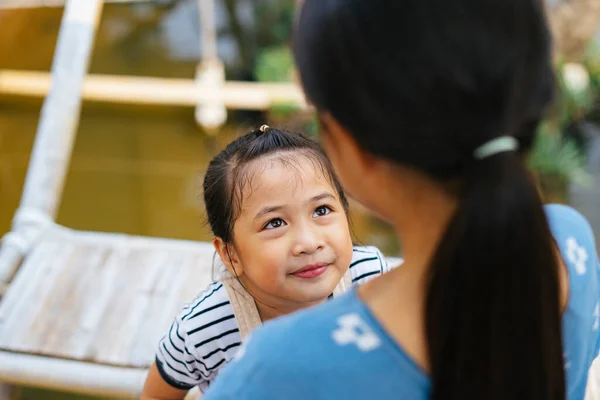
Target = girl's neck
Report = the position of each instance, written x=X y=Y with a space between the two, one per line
x=267 y=312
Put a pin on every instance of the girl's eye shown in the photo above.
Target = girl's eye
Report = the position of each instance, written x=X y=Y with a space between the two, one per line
x=321 y=211
x=274 y=223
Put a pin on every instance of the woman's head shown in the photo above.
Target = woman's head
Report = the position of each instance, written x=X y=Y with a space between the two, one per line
x=415 y=87
x=424 y=83
x=279 y=217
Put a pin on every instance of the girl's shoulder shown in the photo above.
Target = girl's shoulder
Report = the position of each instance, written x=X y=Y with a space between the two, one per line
x=202 y=339
x=212 y=298
x=368 y=262
x=209 y=316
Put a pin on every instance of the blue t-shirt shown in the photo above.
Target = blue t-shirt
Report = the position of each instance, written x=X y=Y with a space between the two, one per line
x=340 y=351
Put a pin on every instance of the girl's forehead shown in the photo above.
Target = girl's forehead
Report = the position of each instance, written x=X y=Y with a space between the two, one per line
x=282 y=176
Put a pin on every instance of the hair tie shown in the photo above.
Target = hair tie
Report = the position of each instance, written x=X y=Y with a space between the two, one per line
x=263 y=128
x=496 y=146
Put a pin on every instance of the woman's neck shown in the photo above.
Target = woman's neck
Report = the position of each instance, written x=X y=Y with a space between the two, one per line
x=419 y=209
x=420 y=214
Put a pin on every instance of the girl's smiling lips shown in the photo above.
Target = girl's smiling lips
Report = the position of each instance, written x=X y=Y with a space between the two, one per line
x=311 y=271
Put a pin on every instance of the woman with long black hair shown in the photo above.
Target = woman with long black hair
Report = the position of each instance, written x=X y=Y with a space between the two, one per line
x=428 y=108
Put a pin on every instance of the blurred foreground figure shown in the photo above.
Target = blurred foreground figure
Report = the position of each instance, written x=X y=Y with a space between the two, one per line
x=427 y=109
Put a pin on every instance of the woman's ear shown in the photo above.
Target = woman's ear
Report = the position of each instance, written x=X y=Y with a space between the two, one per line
x=228 y=256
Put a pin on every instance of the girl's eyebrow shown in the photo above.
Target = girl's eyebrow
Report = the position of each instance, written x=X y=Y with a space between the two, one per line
x=270 y=209
x=322 y=196
x=267 y=210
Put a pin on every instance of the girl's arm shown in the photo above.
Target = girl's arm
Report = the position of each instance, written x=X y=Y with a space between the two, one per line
x=156 y=388
x=201 y=340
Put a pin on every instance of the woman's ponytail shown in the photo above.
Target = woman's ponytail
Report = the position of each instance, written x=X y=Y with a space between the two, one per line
x=493 y=305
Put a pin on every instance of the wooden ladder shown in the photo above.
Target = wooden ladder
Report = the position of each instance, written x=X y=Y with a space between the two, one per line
x=83 y=311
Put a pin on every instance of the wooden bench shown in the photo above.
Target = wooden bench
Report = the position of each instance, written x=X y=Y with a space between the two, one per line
x=86 y=310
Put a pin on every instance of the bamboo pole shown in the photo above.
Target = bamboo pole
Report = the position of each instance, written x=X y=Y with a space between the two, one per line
x=71 y=376
x=208 y=30
x=55 y=134
x=210 y=73
x=16 y=4
x=158 y=91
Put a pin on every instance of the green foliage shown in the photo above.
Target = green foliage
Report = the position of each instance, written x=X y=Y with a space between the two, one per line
x=312 y=128
x=555 y=156
x=577 y=95
x=284 y=109
x=274 y=19
x=572 y=102
x=274 y=64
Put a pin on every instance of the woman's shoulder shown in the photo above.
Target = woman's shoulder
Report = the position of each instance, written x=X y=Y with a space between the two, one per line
x=310 y=324
x=282 y=349
x=577 y=245
x=306 y=330
x=575 y=238
x=562 y=217
x=334 y=350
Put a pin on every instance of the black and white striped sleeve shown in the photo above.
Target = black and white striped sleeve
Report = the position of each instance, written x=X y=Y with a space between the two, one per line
x=200 y=341
x=367 y=263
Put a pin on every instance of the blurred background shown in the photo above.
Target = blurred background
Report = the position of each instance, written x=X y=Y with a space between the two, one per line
x=138 y=169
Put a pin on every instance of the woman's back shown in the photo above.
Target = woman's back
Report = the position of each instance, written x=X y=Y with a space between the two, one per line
x=340 y=350
x=428 y=109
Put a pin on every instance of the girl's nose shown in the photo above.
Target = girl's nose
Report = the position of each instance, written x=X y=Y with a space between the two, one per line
x=307 y=240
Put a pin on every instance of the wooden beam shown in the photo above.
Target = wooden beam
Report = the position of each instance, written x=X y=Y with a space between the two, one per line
x=158 y=91
x=55 y=133
x=16 y=4
x=208 y=30
x=71 y=376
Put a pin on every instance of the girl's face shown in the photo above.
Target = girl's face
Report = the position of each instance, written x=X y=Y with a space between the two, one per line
x=292 y=243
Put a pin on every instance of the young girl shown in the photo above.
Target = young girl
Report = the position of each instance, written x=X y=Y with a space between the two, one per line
x=428 y=108
x=280 y=221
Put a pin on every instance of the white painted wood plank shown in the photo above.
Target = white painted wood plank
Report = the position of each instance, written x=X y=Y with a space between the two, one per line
x=25 y=279
x=88 y=320
x=33 y=277
x=165 y=295
x=113 y=327
x=56 y=325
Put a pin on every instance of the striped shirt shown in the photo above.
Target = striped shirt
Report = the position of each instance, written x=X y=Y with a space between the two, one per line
x=205 y=336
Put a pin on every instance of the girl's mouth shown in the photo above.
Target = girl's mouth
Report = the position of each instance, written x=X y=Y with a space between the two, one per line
x=311 y=271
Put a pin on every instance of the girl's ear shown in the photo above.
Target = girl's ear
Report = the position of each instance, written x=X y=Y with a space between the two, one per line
x=228 y=256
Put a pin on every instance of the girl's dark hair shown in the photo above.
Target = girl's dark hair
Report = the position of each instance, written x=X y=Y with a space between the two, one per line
x=228 y=174
x=423 y=83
